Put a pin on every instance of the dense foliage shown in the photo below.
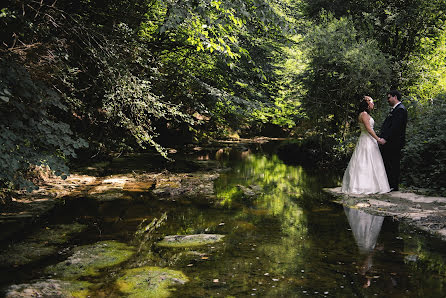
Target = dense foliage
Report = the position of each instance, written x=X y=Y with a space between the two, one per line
x=138 y=73
x=424 y=158
x=94 y=78
x=342 y=68
x=30 y=130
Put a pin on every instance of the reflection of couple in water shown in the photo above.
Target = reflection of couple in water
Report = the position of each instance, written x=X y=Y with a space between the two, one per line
x=365 y=228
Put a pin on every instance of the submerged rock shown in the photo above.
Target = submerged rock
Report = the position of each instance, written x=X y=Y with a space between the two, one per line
x=57 y=234
x=189 y=240
x=250 y=191
x=185 y=185
x=149 y=282
x=24 y=253
x=49 y=288
x=89 y=259
x=38 y=246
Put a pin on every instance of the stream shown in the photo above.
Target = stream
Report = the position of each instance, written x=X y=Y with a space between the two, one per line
x=283 y=237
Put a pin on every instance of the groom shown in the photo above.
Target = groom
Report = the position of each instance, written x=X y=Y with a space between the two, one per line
x=393 y=133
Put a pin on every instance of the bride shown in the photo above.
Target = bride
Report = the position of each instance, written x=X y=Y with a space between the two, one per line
x=365 y=173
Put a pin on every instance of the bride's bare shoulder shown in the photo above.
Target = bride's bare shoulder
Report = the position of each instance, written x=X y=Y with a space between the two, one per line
x=363 y=116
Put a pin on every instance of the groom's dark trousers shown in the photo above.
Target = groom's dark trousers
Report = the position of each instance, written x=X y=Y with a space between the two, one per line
x=393 y=131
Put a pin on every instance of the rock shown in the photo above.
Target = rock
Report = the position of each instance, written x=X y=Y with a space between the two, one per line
x=149 y=282
x=250 y=191
x=89 y=259
x=421 y=211
x=189 y=240
x=362 y=205
x=107 y=196
x=49 y=288
x=247 y=192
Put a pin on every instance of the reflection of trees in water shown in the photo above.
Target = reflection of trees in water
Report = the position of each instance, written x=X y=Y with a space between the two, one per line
x=282 y=188
x=276 y=181
x=425 y=255
x=277 y=184
x=280 y=185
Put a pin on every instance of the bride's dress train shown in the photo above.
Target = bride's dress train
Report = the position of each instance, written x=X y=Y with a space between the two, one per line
x=365 y=173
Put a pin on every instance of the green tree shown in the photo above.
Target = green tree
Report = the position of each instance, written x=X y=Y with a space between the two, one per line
x=342 y=68
x=399 y=26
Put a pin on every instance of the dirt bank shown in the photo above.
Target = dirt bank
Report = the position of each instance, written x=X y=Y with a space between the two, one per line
x=426 y=213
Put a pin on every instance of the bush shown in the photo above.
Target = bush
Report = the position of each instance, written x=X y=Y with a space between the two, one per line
x=424 y=156
x=30 y=133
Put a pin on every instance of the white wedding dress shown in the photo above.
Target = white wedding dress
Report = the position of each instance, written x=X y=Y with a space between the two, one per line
x=365 y=173
x=365 y=228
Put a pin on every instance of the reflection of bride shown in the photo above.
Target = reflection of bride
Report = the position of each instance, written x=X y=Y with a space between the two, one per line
x=365 y=228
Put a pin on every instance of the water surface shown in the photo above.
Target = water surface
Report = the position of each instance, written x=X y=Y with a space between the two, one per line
x=287 y=240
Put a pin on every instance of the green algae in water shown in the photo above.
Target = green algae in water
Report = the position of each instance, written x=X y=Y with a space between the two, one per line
x=190 y=240
x=89 y=259
x=50 y=288
x=150 y=281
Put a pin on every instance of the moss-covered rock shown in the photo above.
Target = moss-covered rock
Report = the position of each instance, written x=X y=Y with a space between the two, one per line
x=49 y=288
x=189 y=240
x=149 y=282
x=89 y=259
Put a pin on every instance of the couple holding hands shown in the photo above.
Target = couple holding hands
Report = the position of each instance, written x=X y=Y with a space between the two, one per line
x=375 y=164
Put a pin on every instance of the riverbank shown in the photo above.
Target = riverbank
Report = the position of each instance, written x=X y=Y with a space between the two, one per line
x=424 y=212
x=427 y=213
x=28 y=208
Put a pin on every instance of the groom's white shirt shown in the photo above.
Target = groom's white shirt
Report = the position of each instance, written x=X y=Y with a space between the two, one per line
x=393 y=108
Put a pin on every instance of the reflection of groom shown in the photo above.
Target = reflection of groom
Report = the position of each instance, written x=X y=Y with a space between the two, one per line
x=393 y=131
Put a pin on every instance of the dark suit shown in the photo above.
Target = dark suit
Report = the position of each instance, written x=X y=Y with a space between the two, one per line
x=393 y=131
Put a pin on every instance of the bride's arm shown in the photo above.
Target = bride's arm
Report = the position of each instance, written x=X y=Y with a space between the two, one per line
x=364 y=117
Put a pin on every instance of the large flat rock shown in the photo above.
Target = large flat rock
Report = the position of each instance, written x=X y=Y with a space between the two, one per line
x=424 y=212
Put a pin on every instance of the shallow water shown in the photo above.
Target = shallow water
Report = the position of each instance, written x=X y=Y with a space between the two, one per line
x=288 y=240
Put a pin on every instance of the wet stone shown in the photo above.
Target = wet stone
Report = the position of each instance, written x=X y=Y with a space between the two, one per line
x=49 y=288
x=150 y=282
x=89 y=259
x=190 y=240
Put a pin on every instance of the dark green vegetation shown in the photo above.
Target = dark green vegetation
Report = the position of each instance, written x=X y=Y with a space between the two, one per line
x=82 y=80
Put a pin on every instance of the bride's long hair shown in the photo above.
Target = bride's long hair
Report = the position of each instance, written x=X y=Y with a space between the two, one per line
x=363 y=106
